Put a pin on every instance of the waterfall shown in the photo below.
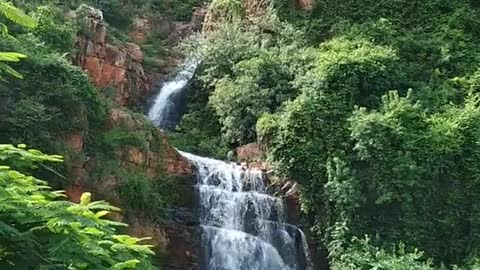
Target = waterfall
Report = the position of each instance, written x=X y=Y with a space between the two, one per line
x=243 y=227
x=164 y=112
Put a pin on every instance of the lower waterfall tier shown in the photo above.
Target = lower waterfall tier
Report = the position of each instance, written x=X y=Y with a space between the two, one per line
x=243 y=227
x=234 y=250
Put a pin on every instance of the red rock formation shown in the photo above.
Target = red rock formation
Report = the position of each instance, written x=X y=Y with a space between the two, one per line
x=75 y=141
x=144 y=26
x=119 y=117
x=306 y=4
x=175 y=163
x=250 y=152
x=74 y=192
x=75 y=165
x=152 y=169
x=108 y=65
x=142 y=228
x=173 y=31
x=158 y=157
x=253 y=155
x=136 y=156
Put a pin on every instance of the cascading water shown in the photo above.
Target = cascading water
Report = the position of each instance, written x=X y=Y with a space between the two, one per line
x=164 y=112
x=243 y=227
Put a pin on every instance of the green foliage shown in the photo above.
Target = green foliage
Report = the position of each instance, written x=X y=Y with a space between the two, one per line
x=10 y=57
x=19 y=17
x=56 y=32
x=16 y=15
x=421 y=168
x=310 y=128
x=204 y=140
x=145 y=196
x=154 y=49
x=227 y=10
x=53 y=100
x=401 y=165
x=199 y=131
x=406 y=165
x=472 y=264
x=233 y=42
x=41 y=231
x=362 y=255
x=115 y=13
x=111 y=153
x=179 y=10
x=258 y=85
x=119 y=137
x=316 y=89
x=249 y=70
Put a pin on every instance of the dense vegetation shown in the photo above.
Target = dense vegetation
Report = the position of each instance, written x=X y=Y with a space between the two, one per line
x=38 y=230
x=44 y=100
x=373 y=107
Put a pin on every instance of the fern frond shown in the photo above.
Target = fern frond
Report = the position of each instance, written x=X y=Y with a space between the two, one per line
x=11 y=56
x=16 y=15
x=6 y=68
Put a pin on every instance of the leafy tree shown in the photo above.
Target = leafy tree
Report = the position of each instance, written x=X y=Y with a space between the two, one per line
x=402 y=178
x=258 y=85
x=249 y=71
x=55 y=31
x=39 y=230
x=308 y=129
x=421 y=169
x=200 y=129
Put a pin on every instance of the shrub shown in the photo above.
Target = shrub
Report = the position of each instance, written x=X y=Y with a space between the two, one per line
x=362 y=255
x=41 y=231
x=53 y=100
x=116 y=138
x=57 y=33
x=145 y=196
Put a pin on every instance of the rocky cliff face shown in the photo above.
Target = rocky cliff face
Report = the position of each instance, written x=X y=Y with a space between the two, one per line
x=174 y=31
x=117 y=68
x=177 y=236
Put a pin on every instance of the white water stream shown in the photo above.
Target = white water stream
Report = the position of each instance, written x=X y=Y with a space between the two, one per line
x=243 y=227
x=164 y=106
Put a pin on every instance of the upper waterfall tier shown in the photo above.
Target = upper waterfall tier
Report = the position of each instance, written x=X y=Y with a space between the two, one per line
x=165 y=111
x=243 y=226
